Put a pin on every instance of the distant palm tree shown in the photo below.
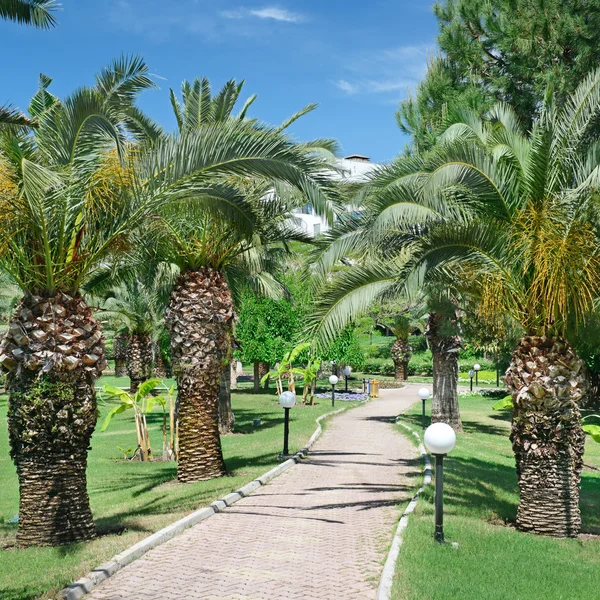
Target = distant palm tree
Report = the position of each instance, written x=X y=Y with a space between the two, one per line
x=38 y=13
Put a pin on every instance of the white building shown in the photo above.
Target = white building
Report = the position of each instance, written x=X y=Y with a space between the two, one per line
x=355 y=168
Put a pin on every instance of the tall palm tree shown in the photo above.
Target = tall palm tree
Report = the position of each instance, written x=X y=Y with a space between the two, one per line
x=39 y=13
x=217 y=239
x=60 y=220
x=510 y=217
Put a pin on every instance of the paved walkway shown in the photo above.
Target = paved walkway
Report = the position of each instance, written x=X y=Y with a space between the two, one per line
x=320 y=531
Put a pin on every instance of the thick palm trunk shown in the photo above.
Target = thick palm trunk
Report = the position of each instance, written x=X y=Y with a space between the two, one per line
x=120 y=344
x=53 y=353
x=401 y=353
x=139 y=359
x=547 y=382
x=226 y=417
x=444 y=348
x=198 y=318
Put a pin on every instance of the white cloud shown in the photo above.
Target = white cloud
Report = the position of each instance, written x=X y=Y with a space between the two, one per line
x=391 y=71
x=346 y=86
x=274 y=13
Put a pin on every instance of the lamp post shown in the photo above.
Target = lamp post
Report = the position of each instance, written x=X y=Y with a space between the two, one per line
x=333 y=379
x=347 y=371
x=471 y=375
x=287 y=400
x=439 y=439
x=424 y=395
x=477 y=368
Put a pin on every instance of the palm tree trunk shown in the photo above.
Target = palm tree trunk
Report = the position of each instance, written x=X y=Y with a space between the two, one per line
x=53 y=353
x=159 y=366
x=198 y=318
x=139 y=359
x=120 y=344
x=547 y=382
x=226 y=417
x=401 y=354
x=256 y=376
x=445 y=348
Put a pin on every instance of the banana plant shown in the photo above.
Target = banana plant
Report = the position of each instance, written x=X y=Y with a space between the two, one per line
x=142 y=403
x=286 y=367
x=593 y=430
x=309 y=377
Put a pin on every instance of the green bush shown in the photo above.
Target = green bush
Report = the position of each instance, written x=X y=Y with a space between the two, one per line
x=421 y=363
x=467 y=363
x=383 y=350
x=108 y=348
x=379 y=366
x=418 y=343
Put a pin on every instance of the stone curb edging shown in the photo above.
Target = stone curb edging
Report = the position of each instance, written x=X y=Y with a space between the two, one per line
x=384 y=591
x=82 y=586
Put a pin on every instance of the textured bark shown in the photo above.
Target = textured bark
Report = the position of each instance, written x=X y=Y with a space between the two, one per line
x=233 y=375
x=139 y=359
x=256 y=378
x=120 y=344
x=401 y=353
x=198 y=318
x=264 y=369
x=53 y=353
x=160 y=367
x=226 y=417
x=445 y=349
x=547 y=382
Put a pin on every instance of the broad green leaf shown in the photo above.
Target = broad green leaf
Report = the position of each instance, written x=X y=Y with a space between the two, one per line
x=117 y=410
x=506 y=402
x=146 y=387
x=594 y=431
x=115 y=392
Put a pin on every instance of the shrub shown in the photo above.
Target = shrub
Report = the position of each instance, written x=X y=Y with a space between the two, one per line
x=421 y=363
x=466 y=364
x=418 y=343
x=379 y=366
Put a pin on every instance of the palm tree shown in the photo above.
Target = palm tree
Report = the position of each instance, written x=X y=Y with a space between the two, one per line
x=137 y=295
x=62 y=216
x=510 y=217
x=38 y=13
x=400 y=318
x=218 y=239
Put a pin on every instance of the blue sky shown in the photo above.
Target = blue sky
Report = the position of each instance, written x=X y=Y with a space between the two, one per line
x=355 y=58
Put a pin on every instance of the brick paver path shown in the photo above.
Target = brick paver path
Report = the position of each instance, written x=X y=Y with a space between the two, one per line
x=320 y=531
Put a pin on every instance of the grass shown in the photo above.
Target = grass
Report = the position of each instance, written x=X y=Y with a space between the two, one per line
x=131 y=500
x=493 y=560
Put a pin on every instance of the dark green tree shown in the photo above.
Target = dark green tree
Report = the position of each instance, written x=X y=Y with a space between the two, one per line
x=507 y=50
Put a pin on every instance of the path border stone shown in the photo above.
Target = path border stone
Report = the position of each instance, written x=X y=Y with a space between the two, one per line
x=384 y=591
x=86 y=584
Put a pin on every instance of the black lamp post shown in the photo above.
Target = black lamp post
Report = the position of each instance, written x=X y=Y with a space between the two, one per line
x=333 y=379
x=477 y=368
x=424 y=395
x=287 y=400
x=440 y=439
x=471 y=375
x=347 y=371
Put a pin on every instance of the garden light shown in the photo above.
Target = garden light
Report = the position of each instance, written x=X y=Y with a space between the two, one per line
x=439 y=439
x=287 y=400
x=471 y=375
x=333 y=379
x=347 y=371
x=476 y=368
x=424 y=394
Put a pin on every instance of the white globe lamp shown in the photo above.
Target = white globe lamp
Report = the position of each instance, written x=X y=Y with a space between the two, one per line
x=439 y=439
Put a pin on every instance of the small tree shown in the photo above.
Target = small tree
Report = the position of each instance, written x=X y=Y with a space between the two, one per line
x=265 y=331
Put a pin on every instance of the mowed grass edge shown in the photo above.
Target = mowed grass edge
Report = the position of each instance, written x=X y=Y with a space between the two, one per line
x=131 y=500
x=493 y=561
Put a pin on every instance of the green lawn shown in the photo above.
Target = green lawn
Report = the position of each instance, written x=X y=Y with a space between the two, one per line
x=493 y=560
x=130 y=500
